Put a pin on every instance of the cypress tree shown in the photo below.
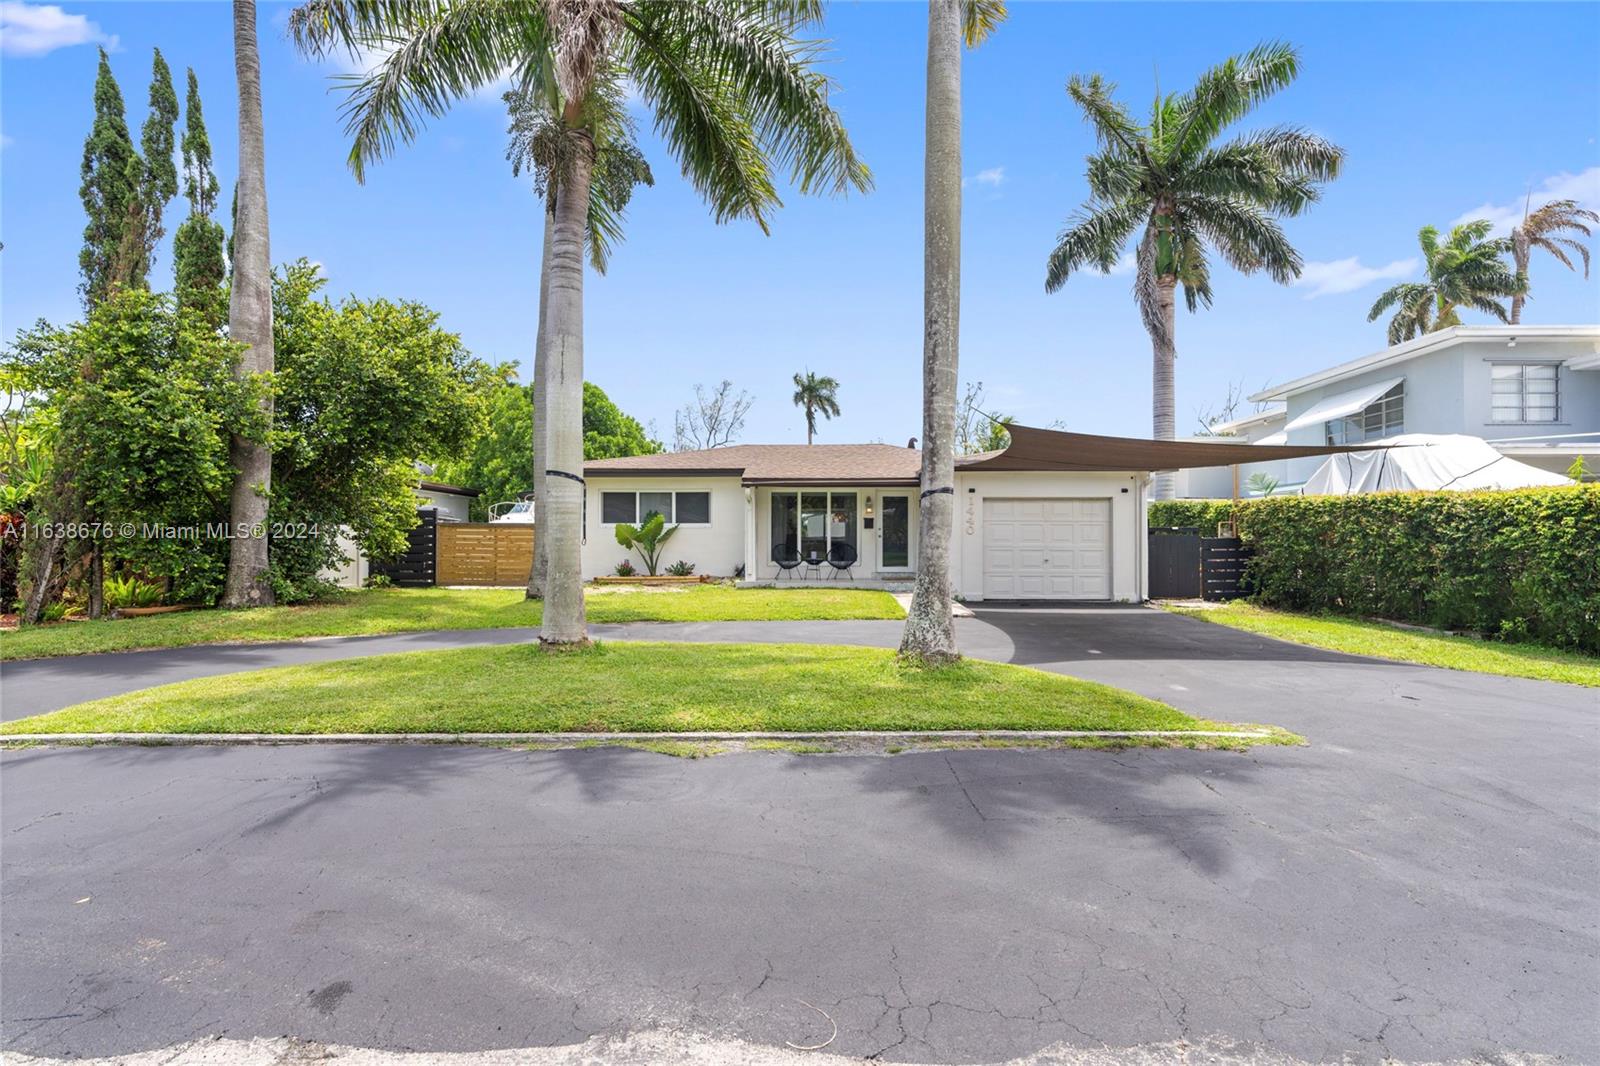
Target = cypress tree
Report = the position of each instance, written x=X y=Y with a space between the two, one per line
x=160 y=179
x=197 y=246
x=112 y=172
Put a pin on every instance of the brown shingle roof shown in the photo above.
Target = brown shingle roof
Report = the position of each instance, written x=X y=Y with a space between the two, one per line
x=813 y=463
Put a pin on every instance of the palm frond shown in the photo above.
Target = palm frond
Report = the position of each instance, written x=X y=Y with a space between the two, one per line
x=1245 y=235
x=1094 y=237
x=1114 y=126
x=765 y=71
x=1227 y=92
x=436 y=54
x=980 y=18
x=1550 y=244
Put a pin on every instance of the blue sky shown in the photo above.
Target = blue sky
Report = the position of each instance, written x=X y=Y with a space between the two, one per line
x=1447 y=111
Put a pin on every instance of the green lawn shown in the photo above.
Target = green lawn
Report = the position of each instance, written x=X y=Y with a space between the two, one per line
x=620 y=687
x=407 y=610
x=1384 y=641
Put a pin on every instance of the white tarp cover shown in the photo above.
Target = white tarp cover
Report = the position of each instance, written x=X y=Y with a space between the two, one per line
x=1434 y=461
x=1342 y=404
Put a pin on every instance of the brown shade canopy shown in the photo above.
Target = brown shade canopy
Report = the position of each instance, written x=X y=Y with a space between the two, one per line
x=1054 y=449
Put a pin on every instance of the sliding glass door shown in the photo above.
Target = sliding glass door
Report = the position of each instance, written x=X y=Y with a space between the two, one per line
x=813 y=524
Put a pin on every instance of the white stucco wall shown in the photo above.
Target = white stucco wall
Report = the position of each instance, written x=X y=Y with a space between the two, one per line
x=1124 y=490
x=452 y=507
x=715 y=549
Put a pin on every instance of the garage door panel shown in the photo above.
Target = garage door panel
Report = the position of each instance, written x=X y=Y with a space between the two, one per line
x=1047 y=548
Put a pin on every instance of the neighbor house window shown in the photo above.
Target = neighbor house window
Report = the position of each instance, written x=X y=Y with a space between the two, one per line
x=682 y=508
x=1524 y=392
x=1380 y=418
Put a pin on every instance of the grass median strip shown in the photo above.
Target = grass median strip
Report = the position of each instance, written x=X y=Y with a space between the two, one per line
x=623 y=688
x=411 y=610
x=1384 y=641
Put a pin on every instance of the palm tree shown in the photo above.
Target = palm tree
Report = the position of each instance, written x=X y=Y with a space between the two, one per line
x=1189 y=192
x=1465 y=271
x=1539 y=230
x=817 y=396
x=929 y=635
x=250 y=323
x=734 y=91
x=536 y=134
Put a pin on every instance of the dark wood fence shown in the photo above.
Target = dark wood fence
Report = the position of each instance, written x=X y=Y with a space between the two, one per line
x=1186 y=566
x=1222 y=568
x=415 y=567
x=1174 y=560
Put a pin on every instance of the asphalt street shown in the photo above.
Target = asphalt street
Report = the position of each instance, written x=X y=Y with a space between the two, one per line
x=1422 y=882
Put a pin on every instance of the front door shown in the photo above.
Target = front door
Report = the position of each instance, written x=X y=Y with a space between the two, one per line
x=894 y=533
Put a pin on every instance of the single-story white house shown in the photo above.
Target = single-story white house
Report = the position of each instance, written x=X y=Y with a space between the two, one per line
x=1058 y=516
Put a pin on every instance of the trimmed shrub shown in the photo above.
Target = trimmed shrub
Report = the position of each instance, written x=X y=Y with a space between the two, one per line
x=1202 y=513
x=1518 y=564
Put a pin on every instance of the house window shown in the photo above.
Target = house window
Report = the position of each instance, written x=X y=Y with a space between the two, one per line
x=694 y=508
x=682 y=508
x=1524 y=392
x=655 y=503
x=619 y=507
x=1380 y=418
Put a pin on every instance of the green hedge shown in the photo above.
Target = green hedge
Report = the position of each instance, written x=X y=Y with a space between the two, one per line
x=1203 y=513
x=1523 y=564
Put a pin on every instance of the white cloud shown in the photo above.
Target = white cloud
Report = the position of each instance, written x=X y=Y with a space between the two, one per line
x=39 y=29
x=1348 y=275
x=1125 y=264
x=1583 y=187
x=993 y=177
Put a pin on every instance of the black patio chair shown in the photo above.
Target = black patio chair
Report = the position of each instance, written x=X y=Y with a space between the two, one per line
x=787 y=557
x=842 y=557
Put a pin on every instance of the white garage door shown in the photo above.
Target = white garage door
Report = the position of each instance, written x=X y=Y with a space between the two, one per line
x=1047 y=549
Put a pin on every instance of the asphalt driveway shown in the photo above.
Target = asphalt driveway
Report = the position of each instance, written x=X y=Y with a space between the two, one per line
x=1418 y=883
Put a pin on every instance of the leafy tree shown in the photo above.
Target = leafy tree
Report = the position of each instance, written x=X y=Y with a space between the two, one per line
x=1190 y=195
x=647 y=538
x=362 y=389
x=198 y=265
x=734 y=90
x=930 y=630
x=250 y=300
x=499 y=461
x=817 y=396
x=143 y=402
x=1465 y=271
x=160 y=179
x=112 y=172
x=1544 y=228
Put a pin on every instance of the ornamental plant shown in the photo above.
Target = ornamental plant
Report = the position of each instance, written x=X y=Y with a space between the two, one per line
x=646 y=538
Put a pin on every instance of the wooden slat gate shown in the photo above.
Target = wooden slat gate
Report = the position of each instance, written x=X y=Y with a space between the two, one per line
x=1222 y=568
x=485 y=553
x=414 y=568
x=1174 y=561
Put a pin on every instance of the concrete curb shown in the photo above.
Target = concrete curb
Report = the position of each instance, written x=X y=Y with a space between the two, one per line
x=573 y=738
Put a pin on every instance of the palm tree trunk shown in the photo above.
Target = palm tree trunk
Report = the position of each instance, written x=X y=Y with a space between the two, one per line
x=250 y=323
x=564 y=490
x=97 y=580
x=1520 y=252
x=1163 y=399
x=930 y=633
x=541 y=416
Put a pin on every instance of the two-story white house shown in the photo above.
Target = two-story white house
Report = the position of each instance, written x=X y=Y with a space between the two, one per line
x=1533 y=392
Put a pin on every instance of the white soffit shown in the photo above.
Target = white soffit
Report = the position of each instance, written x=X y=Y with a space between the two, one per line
x=1342 y=404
